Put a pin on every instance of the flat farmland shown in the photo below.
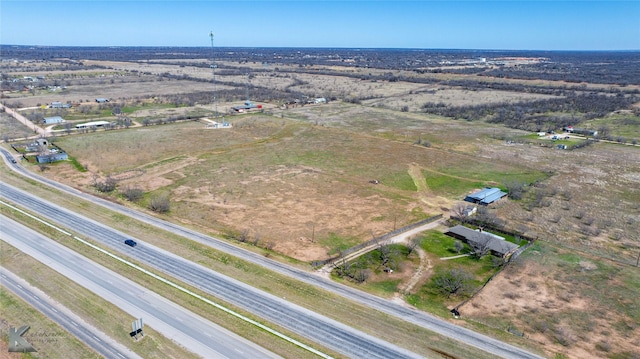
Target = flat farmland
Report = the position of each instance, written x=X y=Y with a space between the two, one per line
x=296 y=180
x=286 y=183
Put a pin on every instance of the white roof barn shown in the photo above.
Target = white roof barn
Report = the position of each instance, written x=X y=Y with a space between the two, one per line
x=52 y=120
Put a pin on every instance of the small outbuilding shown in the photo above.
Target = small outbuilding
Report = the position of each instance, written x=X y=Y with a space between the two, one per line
x=102 y=100
x=52 y=120
x=59 y=104
x=93 y=124
x=486 y=196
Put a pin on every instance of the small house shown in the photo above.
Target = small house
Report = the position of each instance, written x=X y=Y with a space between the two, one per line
x=52 y=157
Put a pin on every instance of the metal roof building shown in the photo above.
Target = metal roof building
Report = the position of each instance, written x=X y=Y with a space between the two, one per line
x=486 y=196
x=52 y=120
x=93 y=124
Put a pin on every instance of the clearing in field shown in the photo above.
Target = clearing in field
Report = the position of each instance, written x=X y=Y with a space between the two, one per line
x=284 y=183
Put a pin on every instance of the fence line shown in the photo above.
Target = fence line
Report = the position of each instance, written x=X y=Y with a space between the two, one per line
x=375 y=240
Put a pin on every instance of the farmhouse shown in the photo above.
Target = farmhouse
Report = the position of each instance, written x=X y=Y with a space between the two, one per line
x=53 y=156
x=486 y=196
x=496 y=244
x=52 y=120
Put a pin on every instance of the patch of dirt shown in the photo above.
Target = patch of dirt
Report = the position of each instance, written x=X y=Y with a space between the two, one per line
x=525 y=293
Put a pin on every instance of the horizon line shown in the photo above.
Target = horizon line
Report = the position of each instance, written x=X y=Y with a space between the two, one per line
x=320 y=47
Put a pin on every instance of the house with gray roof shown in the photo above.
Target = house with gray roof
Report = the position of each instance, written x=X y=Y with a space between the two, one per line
x=477 y=238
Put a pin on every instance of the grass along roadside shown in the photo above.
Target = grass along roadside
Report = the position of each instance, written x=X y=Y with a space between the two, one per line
x=360 y=317
x=96 y=311
x=185 y=300
x=58 y=343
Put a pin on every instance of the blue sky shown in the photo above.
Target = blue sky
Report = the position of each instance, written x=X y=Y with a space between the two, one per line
x=505 y=24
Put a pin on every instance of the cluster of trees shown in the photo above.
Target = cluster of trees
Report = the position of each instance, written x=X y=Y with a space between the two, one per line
x=535 y=115
x=603 y=68
x=593 y=67
x=385 y=257
x=158 y=203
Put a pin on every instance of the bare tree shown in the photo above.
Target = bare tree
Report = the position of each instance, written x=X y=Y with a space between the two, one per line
x=515 y=189
x=414 y=243
x=453 y=282
x=133 y=194
x=159 y=204
x=459 y=246
x=67 y=128
x=480 y=249
x=459 y=210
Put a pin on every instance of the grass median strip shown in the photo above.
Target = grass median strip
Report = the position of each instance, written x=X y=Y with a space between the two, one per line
x=187 y=293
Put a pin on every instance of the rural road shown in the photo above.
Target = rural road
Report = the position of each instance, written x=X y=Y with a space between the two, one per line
x=39 y=131
x=85 y=332
x=411 y=315
x=191 y=331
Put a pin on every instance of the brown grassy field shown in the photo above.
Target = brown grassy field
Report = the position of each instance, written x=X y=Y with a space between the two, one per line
x=297 y=181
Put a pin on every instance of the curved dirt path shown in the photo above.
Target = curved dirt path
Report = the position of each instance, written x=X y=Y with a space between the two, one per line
x=423 y=269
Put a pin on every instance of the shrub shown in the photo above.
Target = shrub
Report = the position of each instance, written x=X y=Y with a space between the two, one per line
x=159 y=204
x=133 y=194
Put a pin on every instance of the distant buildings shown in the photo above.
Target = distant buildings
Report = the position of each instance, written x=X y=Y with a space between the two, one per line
x=580 y=131
x=246 y=107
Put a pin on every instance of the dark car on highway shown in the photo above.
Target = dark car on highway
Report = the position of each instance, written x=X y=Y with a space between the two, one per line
x=130 y=242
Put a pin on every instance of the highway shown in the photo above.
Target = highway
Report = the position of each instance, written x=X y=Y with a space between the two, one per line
x=190 y=330
x=437 y=325
x=94 y=338
x=306 y=323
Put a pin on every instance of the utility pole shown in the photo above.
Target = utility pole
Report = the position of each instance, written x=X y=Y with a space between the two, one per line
x=213 y=67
